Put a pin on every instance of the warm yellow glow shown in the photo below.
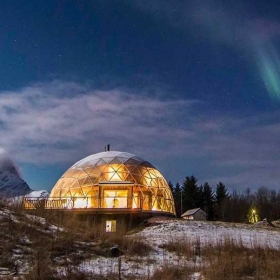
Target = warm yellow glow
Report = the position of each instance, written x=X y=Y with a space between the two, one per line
x=135 y=201
x=156 y=205
x=149 y=177
x=114 y=173
x=28 y=205
x=115 y=198
x=146 y=204
x=253 y=216
x=66 y=203
x=80 y=203
x=96 y=182
x=111 y=226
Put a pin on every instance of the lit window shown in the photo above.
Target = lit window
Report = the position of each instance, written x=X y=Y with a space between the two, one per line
x=80 y=203
x=135 y=201
x=115 y=198
x=111 y=226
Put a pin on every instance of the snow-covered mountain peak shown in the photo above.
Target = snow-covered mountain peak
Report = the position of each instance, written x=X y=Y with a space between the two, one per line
x=38 y=194
x=6 y=163
x=11 y=185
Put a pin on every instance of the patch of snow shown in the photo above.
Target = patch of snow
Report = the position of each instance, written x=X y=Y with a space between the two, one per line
x=209 y=233
x=38 y=194
x=196 y=276
x=193 y=232
x=48 y=228
x=7 y=214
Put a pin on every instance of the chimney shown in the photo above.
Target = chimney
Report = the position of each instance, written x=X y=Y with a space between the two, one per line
x=107 y=148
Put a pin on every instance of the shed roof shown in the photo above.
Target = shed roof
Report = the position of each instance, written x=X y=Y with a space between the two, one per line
x=191 y=212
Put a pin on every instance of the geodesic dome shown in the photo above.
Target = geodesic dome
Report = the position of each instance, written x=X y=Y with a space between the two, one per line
x=113 y=180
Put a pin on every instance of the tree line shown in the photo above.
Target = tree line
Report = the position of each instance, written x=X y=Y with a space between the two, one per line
x=221 y=205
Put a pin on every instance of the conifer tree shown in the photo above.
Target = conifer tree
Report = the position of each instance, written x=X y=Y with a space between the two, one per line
x=222 y=198
x=178 y=199
x=171 y=187
x=209 y=200
x=191 y=194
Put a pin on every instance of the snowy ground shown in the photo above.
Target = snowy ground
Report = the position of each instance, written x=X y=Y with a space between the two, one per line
x=211 y=233
x=194 y=232
x=161 y=232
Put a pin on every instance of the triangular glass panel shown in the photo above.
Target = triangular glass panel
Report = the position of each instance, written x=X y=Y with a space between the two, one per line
x=69 y=173
x=107 y=159
x=84 y=182
x=102 y=177
x=93 y=162
x=102 y=168
x=153 y=183
x=152 y=172
x=94 y=180
x=114 y=176
x=88 y=169
x=130 y=178
x=144 y=181
x=101 y=162
x=138 y=159
x=123 y=176
x=71 y=182
x=82 y=174
x=146 y=164
x=87 y=182
x=123 y=159
x=66 y=194
x=95 y=172
x=75 y=173
x=132 y=169
x=113 y=167
x=115 y=160
x=132 y=162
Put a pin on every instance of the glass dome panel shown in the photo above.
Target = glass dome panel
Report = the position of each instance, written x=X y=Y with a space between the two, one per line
x=115 y=180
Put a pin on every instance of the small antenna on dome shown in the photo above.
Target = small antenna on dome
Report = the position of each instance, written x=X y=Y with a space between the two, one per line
x=107 y=148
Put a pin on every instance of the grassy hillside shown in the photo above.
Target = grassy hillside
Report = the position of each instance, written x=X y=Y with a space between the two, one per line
x=44 y=246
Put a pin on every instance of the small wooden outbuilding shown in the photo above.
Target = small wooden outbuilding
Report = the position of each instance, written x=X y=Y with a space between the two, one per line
x=196 y=214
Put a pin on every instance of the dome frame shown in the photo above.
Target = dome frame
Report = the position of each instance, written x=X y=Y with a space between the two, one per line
x=112 y=181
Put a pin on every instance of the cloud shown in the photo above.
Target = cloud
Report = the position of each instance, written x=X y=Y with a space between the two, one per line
x=43 y=124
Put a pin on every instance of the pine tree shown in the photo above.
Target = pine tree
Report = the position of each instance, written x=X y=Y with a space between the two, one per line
x=178 y=199
x=222 y=198
x=209 y=200
x=171 y=187
x=191 y=194
x=199 y=202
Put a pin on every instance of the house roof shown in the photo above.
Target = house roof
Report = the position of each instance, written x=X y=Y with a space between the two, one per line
x=191 y=212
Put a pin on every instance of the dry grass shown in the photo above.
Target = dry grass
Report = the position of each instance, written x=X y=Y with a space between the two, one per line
x=172 y=272
x=233 y=261
x=229 y=260
x=46 y=248
x=83 y=239
x=128 y=245
x=179 y=247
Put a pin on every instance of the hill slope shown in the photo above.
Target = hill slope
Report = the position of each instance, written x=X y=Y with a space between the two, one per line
x=32 y=247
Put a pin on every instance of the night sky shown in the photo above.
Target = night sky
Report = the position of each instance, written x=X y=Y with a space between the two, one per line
x=191 y=86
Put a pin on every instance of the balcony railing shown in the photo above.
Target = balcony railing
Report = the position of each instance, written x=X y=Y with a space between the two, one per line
x=98 y=203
